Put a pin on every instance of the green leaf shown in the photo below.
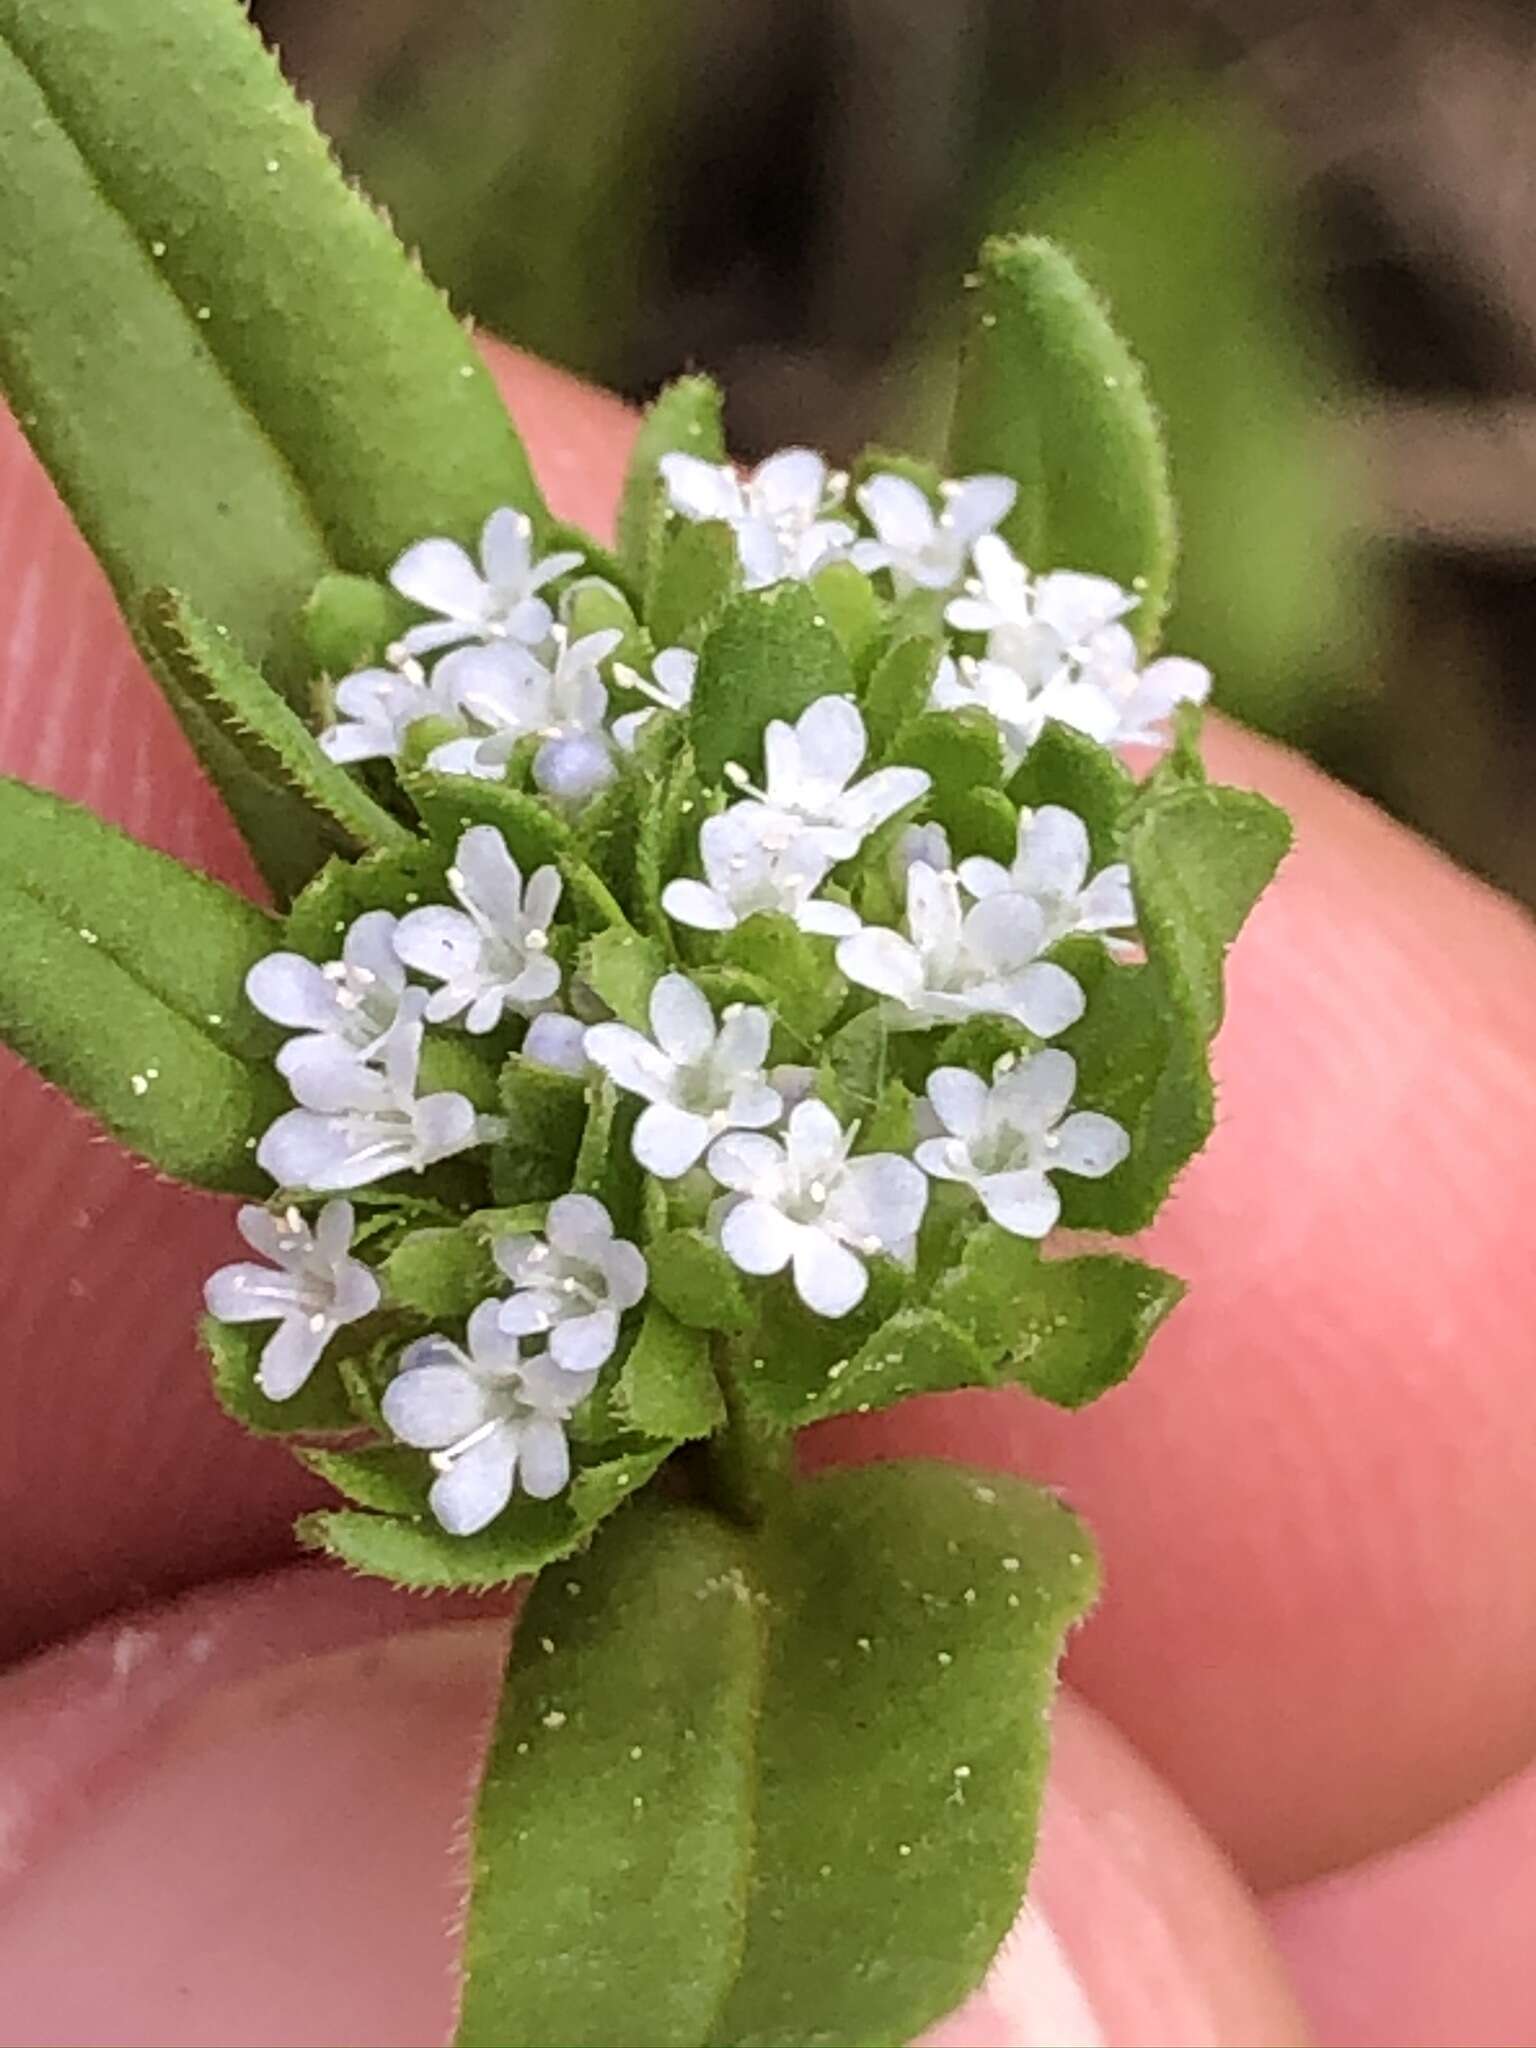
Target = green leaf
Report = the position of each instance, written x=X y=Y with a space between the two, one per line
x=916 y=1614
x=1067 y=768
x=293 y=805
x=525 y=1537
x=668 y=834
x=771 y=656
x=615 y=1821
x=897 y=690
x=694 y=574
x=343 y=890
x=442 y=1274
x=1199 y=858
x=685 y=418
x=605 y=1163
x=319 y=1408
x=667 y=1388
x=391 y=1479
x=917 y=1351
x=350 y=620
x=846 y=599
x=309 y=400
x=693 y=1279
x=980 y=821
x=546 y=1112
x=794 y=1355
x=133 y=995
x=1067 y=1329
x=594 y=605
x=877 y=461
x=1051 y=396
x=621 y=968
x=450 y=804
x=807 y=989
x=961 y=750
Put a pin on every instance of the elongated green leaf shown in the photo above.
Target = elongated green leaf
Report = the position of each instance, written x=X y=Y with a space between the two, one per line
x=696 y=1282
x=1067 y=768
x=916 y=1614
x=897 y=689
x=343 y=890
x=667 y=1387
x=621 y=968
x=525 y=1537
x=1051 y=396
x=132 y=995
x=391 y=1478
x=685 y=418
x=614 y=1829
x=694 y=573
x=846 y=599
x=960 y=750
x=309 y=400
x=295 y=807
x=807 y=990
x=771 y=655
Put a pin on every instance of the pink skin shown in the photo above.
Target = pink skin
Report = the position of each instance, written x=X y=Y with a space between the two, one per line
x=1317 y=1504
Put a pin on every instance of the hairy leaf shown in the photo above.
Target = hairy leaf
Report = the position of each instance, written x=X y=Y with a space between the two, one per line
x=1050 y=395
x=319 y=1408
x=693 y=1278
x=667 y=1388
x=694 y=573
x=770 y=656
x=685 y=418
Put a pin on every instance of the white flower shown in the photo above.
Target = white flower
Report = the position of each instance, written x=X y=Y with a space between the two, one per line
x=1005 y=1140
x=379 y=707
x=1050 y=867
x=360 y=1123
x=510 y=695
x=497 y=601
x=353 y=1000
x=555 y=1040
x=776 y=512
x=1016 y=707
x=669 y=687
x=743 y=876
x=927 y=843
x=806 y=1205
x=921 y=549
x=810 y=766
x=493 y=954
x=696 y=1080
x=310 y=1289
x=490 y=1417
x=575 y=1281
x=1137 y=702
x=956 y=963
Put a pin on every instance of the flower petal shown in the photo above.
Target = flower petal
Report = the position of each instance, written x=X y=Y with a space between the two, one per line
x=1046 y=999
x=1024 y=1203
x=898 y=511
x=743 y=1161
x=1053 y=853
x=880 y=1196
x=700 y=490
x=745 y=1032
x=291 y=1354
x=432 y=1406
x=683 y=1023
x=578 y=1226
x=1034 y=1094
x=439 y=575
x=248 y=1293
x=668 y=1140
x=828 y=1278
x=691 y=903
x=1091 y=1144
x=545 y=1460
x=583 y=1343
x=555 y=1040
x=506 y=549
x=960 y=1099
x=478 y=1484
x=631 y=1061
x=293 y=991
x=758 y=1238
x=883 y=961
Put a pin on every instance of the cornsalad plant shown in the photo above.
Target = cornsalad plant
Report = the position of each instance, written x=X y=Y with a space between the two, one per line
x=706 y=983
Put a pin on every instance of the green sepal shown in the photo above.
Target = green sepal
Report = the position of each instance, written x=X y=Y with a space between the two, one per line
x=621 y=968
x=771 y=656
x=310 y=400
x=694 y=574
x=524 y=1538
x=897 y=689
x=685 y=418
x=807 y=989
x=344 y=890
x=846 y=599
x=694 y=1280
x=614 y=1828
x=132 y=997
x=915 y=1616
x=319 y=1408
x=293 y=805
x=667 y=1388
x=535 y=836
x=1050 y=395
x=1067 y=768
x=349 y=621
x=440 y=1273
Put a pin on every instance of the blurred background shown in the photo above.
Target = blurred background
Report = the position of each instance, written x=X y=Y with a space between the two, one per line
x=1313 y=219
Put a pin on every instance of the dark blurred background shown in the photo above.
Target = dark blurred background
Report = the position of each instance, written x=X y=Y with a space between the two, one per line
x=1314 y=222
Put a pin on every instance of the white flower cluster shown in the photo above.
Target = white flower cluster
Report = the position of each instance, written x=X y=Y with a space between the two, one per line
x=791 y=1191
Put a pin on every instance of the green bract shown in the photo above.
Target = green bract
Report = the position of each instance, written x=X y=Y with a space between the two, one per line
x=705 y=976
